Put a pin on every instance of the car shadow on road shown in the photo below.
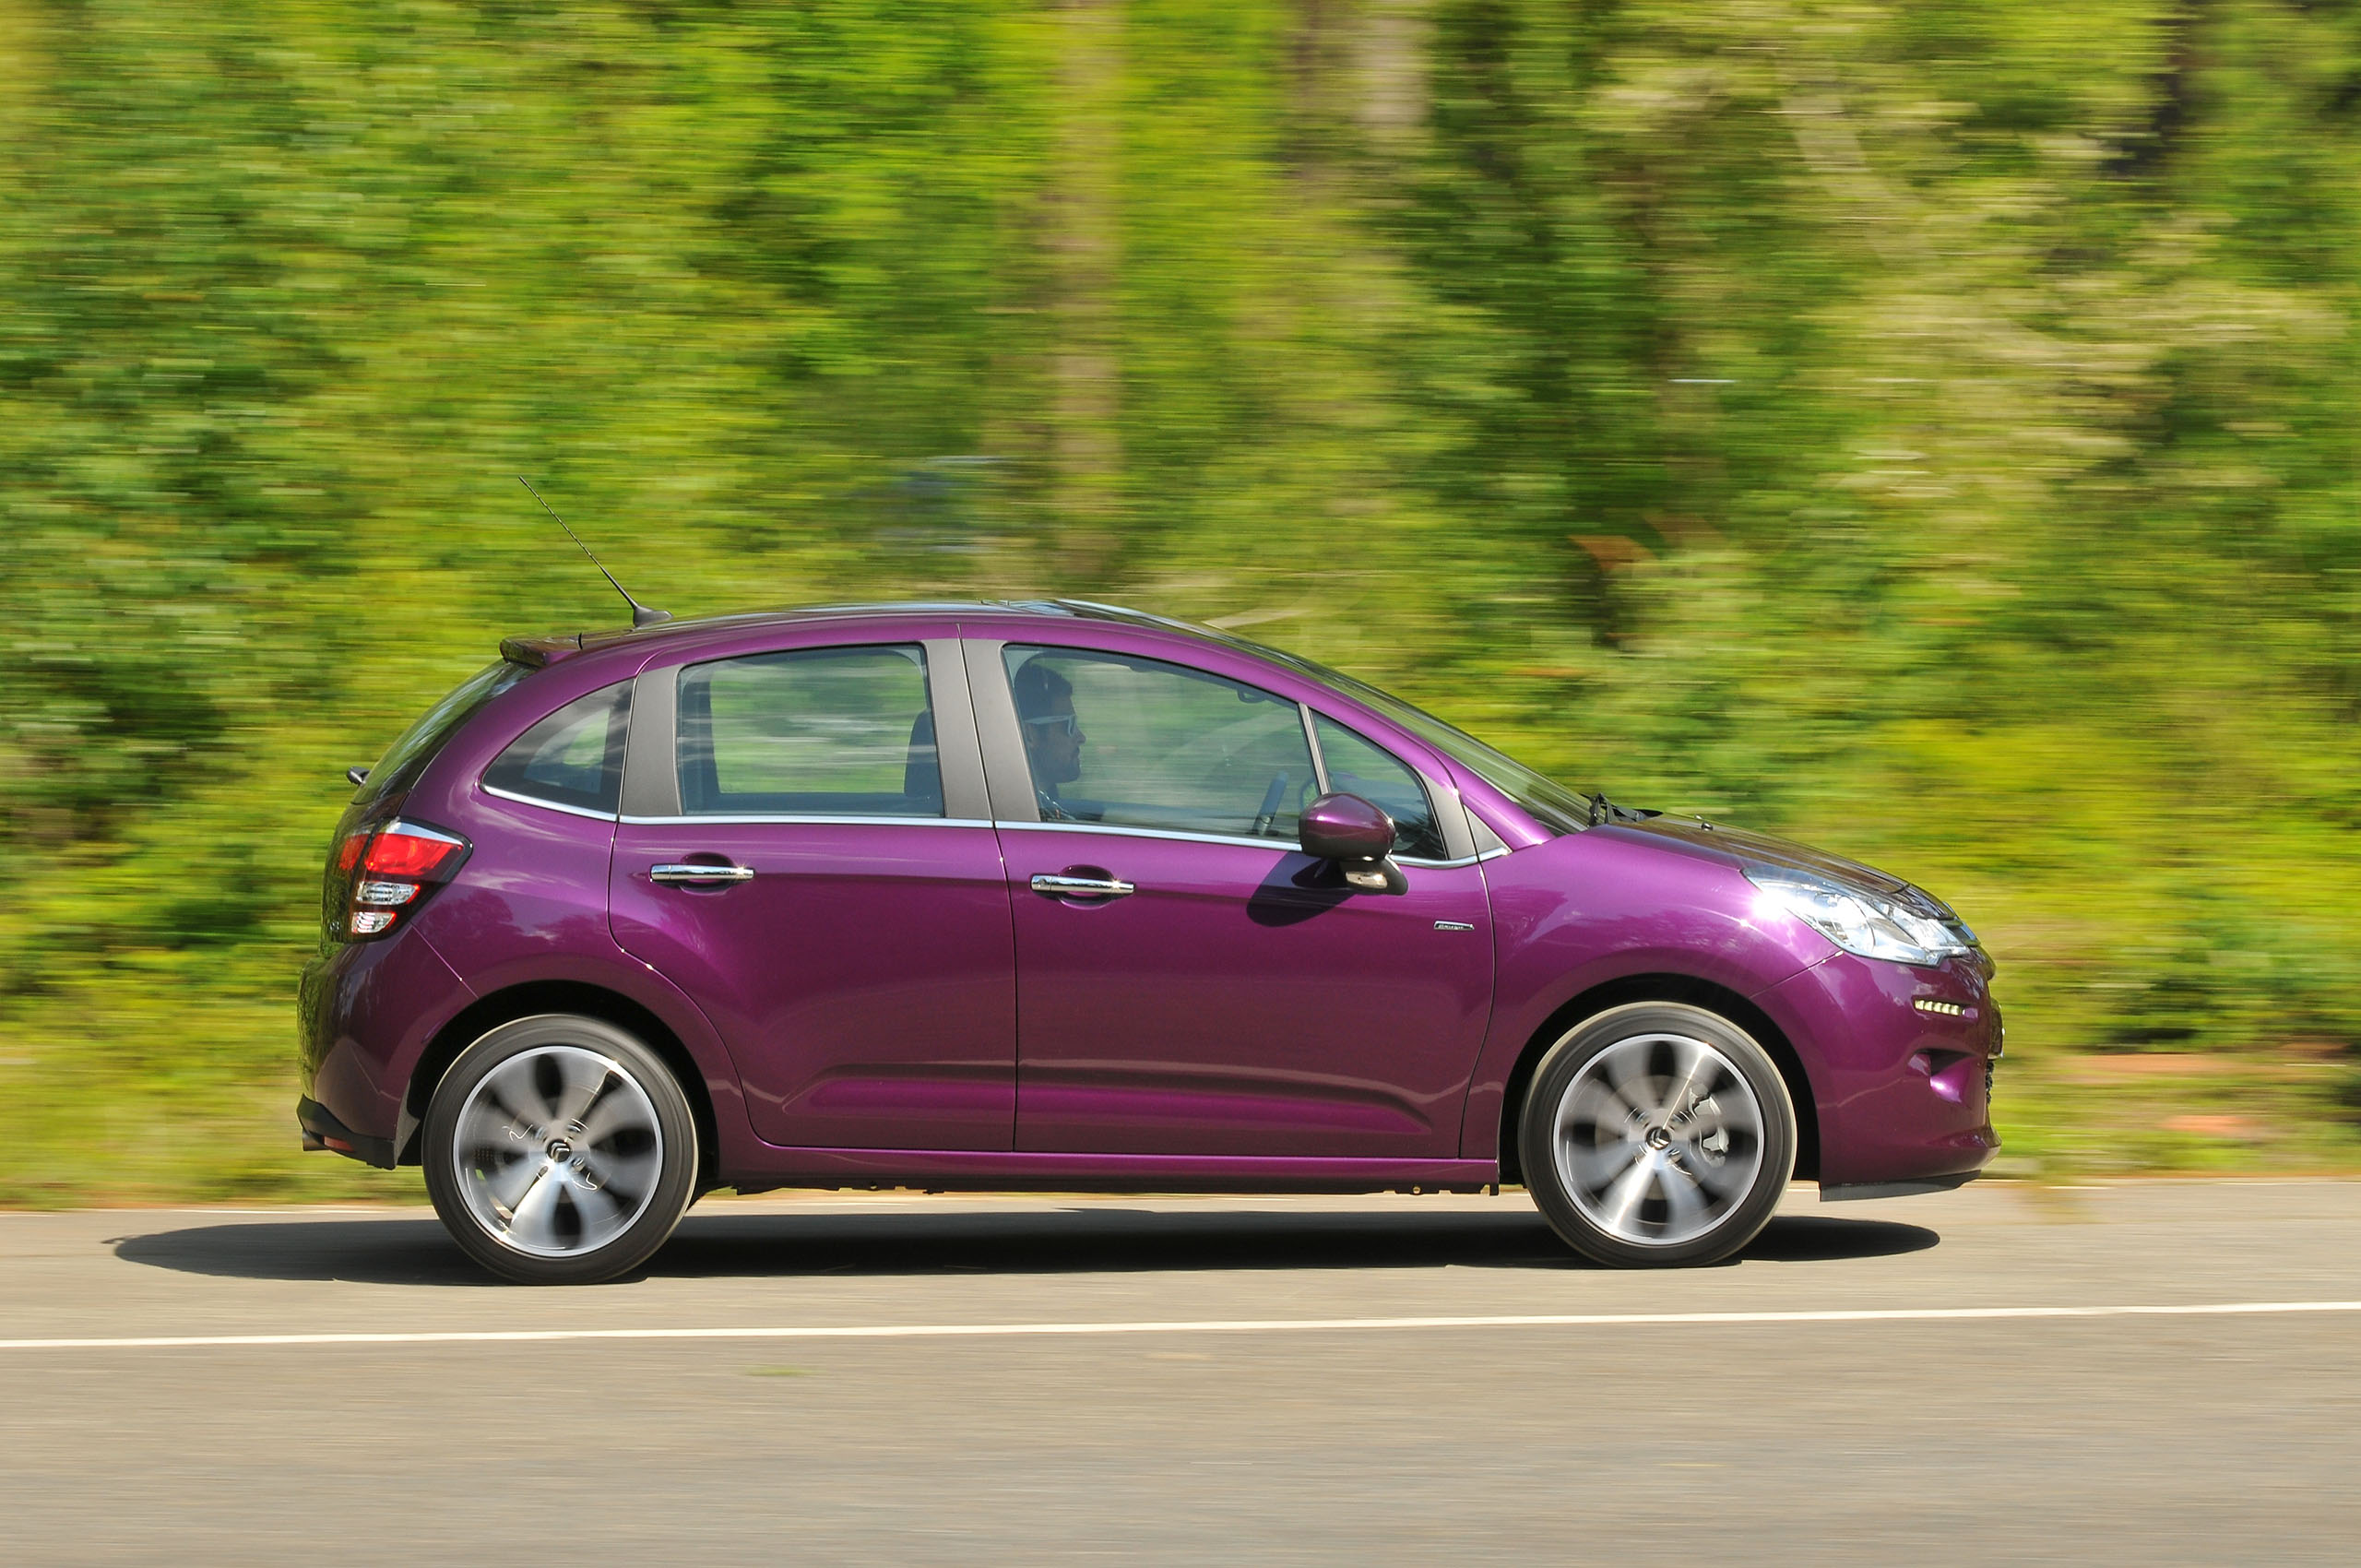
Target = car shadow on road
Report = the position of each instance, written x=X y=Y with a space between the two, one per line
x=1077 y=1240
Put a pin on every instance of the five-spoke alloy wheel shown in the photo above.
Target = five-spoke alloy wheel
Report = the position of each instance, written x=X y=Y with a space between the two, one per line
x=559 y=1150
x=1657 y=1133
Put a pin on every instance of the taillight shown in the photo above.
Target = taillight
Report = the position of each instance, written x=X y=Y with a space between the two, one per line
x=392 y=868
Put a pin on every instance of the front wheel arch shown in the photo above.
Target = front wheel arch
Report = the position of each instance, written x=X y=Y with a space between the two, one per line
x=1662 y=988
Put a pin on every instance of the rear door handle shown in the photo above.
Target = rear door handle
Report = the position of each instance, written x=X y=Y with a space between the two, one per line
x=699 y=876
x=1084 y=887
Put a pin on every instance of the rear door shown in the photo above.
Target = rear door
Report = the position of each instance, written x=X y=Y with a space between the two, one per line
x=1188 y=980
x=805 y=849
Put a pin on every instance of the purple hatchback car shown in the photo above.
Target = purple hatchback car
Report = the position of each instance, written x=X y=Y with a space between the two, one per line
x=1055 y=895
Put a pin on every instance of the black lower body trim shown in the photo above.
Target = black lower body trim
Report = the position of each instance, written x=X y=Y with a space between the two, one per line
x=321 y=1131
x=1851 y=1192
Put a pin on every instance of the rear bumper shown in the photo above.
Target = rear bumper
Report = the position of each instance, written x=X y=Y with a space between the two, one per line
x=1901 y=1090
x=323 y=1131
x=367 y=1010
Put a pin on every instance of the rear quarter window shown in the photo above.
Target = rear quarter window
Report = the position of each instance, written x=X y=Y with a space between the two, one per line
x=574 y=758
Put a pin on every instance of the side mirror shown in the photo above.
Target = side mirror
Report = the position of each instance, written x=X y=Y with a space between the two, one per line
x=1358 y=836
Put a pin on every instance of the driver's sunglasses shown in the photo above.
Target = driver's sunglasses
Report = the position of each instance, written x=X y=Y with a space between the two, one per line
x=1057 y=724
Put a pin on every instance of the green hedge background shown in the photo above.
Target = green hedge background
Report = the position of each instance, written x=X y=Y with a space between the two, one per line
x=1925 y=429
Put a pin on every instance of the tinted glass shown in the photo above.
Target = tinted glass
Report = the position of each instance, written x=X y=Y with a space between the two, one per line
x=574 y=757
x=1552 y=804
x=1136 y=743
x=834 y=731
x=1357 y=766
x=406 y=758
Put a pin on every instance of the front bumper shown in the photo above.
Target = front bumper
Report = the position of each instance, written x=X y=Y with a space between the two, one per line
x=1900 y=1063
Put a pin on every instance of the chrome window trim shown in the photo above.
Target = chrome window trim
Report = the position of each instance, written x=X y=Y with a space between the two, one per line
x=1281 y=845
x=807 y=820
x=549 y=805
x=1284 y=846
x=1312 y=742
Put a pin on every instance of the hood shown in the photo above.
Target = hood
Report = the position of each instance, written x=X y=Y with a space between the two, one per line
x=1743 y=849
x=1761 y=848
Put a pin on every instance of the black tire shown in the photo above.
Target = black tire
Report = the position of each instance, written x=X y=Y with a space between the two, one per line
x=559 y=1150
x=1643 y=1150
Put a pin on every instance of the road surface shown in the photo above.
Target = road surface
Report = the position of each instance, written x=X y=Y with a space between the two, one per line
x=1977 y=1377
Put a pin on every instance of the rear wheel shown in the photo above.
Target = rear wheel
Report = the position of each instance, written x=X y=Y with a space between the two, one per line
x=559 y=1150
x=1657 y=1133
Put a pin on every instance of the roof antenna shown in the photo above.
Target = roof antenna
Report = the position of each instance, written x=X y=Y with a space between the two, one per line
x=641 y=615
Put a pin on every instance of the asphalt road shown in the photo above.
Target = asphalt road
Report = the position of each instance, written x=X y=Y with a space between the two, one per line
x=1198 y=1381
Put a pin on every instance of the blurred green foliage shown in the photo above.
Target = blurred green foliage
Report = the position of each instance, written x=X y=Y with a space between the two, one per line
x=1926 y=429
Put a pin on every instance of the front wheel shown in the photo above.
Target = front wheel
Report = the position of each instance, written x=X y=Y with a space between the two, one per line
x=1655 y=1134
x=559 y=1150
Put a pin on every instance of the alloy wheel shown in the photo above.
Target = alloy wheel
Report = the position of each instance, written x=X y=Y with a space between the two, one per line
x=559 y=1150
x=1658 y=1139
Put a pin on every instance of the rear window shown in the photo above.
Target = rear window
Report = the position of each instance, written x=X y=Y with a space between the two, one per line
x=574 y=758
x=407 y=758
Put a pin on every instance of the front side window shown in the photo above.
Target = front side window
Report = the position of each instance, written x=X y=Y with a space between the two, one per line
x=1357 y=766
x=830 y=731
x=1137 y=743
x=574 y=757
x=1552 y=805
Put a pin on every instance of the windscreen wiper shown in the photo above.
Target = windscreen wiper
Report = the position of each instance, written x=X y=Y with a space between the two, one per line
x=1604 y=810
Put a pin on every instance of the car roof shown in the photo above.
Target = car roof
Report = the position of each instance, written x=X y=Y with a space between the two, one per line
x=538 y=651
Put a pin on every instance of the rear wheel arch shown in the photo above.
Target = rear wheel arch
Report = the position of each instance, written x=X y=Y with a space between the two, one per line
x=488 y=1013
x=1663 y=988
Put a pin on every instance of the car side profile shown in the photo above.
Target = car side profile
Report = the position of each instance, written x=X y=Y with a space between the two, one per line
x=1055 y=895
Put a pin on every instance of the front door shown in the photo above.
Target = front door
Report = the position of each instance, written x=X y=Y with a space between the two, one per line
x=1189 y=982
x=848 y=938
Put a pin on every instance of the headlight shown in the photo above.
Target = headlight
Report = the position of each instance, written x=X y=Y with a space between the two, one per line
x=1860 y=921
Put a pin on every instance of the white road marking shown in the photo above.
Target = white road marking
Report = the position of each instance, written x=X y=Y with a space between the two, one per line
x=1203 y=1326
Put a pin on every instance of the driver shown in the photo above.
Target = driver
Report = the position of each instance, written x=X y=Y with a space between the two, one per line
x=1053 y=737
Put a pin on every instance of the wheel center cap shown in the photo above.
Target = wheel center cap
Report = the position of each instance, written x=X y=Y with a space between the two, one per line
x=559 y=1150
x=1659 y=1137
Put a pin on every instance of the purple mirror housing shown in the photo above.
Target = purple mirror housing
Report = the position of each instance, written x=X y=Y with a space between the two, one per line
x=1358 y=836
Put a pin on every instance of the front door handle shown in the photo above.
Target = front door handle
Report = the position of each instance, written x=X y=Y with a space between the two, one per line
x=1084 y=887
x=700 y=876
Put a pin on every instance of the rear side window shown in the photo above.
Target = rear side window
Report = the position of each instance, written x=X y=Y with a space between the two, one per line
x=1357 y=766
x=573 y=758
x=831 y=731
x=406 y=758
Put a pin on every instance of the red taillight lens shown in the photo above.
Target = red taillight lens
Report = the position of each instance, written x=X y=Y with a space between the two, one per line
x=396 y=864
x=406 y=849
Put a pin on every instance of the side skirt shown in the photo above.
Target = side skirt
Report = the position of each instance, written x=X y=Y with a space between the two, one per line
x=944 y=1170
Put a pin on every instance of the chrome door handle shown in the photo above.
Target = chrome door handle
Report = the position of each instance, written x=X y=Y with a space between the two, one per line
x=697 y=876
x=1084 y=887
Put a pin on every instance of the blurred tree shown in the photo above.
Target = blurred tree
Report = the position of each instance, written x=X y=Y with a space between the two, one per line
x=1928 y=428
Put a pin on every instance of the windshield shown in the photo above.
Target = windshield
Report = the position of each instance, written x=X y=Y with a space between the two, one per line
x=1552 y=805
